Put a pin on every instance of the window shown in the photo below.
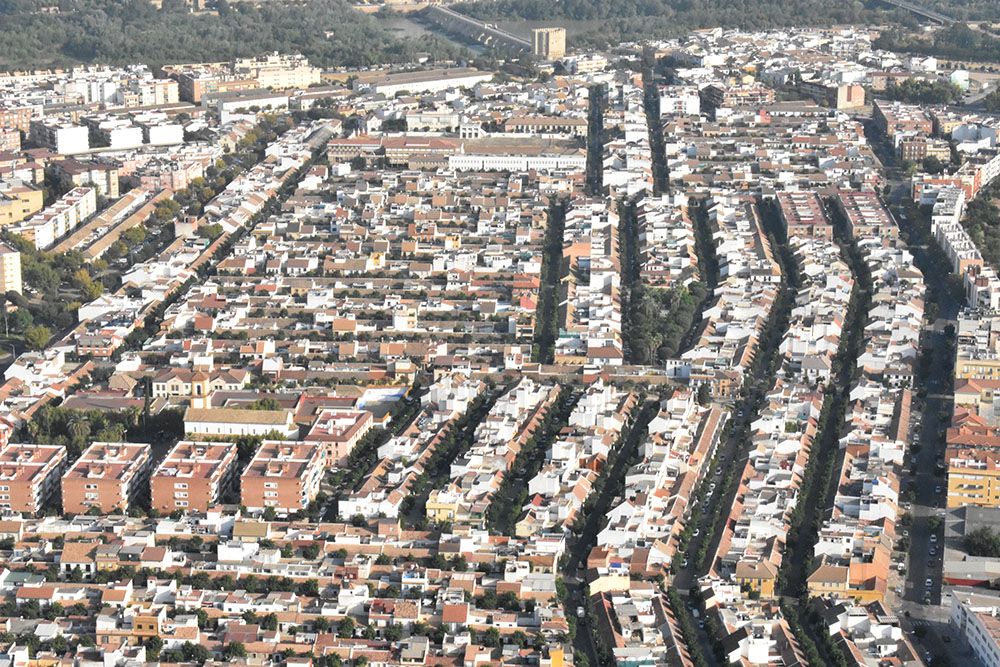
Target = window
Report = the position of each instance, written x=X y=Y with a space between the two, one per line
x=180 y=485
x=181 y=503
x=181 y=494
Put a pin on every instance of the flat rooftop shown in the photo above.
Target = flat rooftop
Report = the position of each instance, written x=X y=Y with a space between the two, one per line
x=109 y=460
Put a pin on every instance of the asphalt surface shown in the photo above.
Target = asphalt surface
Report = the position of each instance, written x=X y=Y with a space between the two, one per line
x=917 y=603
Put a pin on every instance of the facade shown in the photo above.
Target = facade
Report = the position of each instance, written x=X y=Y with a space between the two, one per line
x=18 y=203
x=339 y=431
x=866 y=217
x=424 y=81
x=63 y=138
x=277 y=71
x=802 y=215
x=10 y=139
x=29 y=476
x=233 y=423
x=549 y=43
x=283 y=475
x=108 y=476
x=59 y=219
x=19 y=117
x=974 y=617
x=193 y=476
x=10 y=270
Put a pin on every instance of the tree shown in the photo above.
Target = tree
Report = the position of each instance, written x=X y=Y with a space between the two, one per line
x=345 y=628
x=134 y=235
x=266 y=403
x=59 y=645
x=933 y=165
x=704 y=394
x=491 y=638
x=982 y=542
x=234 y=650
x=90 y=289
x=195 y=652
x=20 y=320
x=153 y=647
x=36 y=336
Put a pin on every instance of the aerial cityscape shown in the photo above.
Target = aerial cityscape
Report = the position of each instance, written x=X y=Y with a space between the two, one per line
x=531 y=333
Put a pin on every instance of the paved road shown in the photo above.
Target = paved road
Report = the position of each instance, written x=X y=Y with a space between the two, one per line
x=580 y=545
x=919 y=604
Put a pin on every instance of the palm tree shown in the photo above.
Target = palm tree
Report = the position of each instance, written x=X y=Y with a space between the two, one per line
x=79 y=428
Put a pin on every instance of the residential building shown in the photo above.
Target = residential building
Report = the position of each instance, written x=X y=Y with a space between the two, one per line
x=194 y=476
x=107 y=476
x=29 y=476
x=283 y=475
x=339 y=431
x=10 y=270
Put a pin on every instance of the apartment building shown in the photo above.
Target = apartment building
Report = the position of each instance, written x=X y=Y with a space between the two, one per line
x=63 y=138
x=717 y=96
x=10 y=140
x=19 y=117
x=283 y=475
x=59 y=219
x=339 y=431
x=893 y=118
x=10 y=270
x=866 y=216
x=974 y=616
x=194 y=476
x=277 y=71
x=18 y=202
x=107 y=476
x=802 y=215
x=29 y=476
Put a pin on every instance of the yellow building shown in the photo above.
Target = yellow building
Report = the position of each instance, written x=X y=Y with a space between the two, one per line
x=19 y=203
x=973 y=479
x=10 y=270
x=549 y=43
x=760 y=577
x=983 y=369
x=442 y=506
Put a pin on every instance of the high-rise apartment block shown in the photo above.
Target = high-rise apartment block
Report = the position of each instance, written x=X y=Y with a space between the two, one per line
x=10 y=270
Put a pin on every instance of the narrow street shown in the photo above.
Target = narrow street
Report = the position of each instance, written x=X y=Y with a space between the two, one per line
x=922 y=614
x=586 y=539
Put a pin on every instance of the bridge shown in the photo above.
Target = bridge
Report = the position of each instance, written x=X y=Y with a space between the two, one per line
x=482 y=33
x=921 y=11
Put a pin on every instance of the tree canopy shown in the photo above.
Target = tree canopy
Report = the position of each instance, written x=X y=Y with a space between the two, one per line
x=328 y=32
